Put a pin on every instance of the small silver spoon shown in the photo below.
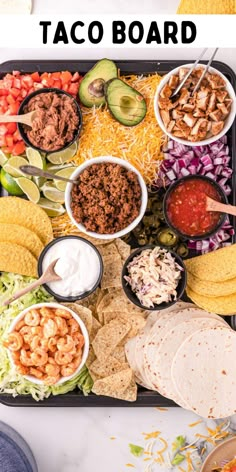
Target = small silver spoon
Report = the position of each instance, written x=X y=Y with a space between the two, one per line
x=36 y=172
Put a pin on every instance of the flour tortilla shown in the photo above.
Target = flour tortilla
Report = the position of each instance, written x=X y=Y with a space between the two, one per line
x=15 y=7
x=203 y=372
x=159 y=331
x=170 y=345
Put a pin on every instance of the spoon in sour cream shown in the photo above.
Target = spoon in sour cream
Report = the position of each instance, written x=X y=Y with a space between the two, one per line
x=49 y=275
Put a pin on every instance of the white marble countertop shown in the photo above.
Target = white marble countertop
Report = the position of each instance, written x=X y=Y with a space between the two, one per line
x=79 y=439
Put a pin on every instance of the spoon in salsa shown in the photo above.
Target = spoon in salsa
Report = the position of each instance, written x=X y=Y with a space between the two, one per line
x=25 y=119
x=48 y=276
x=213 y=205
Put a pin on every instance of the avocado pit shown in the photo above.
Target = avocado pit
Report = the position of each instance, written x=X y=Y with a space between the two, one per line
x=96 y=88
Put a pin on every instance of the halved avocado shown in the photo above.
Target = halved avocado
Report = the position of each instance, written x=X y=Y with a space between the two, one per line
x=91 y=90
x=126 y=104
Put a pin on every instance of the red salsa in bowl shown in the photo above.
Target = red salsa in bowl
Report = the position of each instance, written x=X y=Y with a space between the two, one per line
x=185 y=207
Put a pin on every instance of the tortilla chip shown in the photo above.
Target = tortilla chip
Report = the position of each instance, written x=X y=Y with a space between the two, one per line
x=123 y=249
x=91 y=300
x=119 y=354
x=107 y=367
x=221 y=305
x=211 y=289
x=216 y=266
x=84 y=314
x=106 y=298
x=130 y=394
x=14 y=210
x=96 y=326
x=112 y=271
x=11 y=233
x=108 y=337
x=118 y=301
x=91 y=357
x=113 y=385
x=17 y=259
x=108 y=250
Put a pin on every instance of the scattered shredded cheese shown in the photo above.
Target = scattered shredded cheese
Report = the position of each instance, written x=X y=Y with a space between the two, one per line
x=102 y=135
x=191 y=425
x=154 y=435
x=130 y=465
x=161 y=408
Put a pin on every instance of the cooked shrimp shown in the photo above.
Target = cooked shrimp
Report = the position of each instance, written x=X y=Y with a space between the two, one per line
x=22 y=369
x=37 y=341
x=36 y=373
x=37 y=331
x=63 y=358
x=16 y=357
x=14 y=341
x=63 y=313
x=68 y=369
x=52 y=370
x=66 y=344
x=73 y=326
x=25 y=358
x=19 y=325
x=78 y=358
x=26 y=332
x=51 y=361
x=62 y=325
x=50 y=328
x=52 y=343
x=51 y=380
x=46 y=312
x=32 y=318
x=39 y=357
x=78 y=339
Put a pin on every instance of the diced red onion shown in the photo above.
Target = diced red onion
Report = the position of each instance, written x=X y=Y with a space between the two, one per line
x=171 y=175
x=184 y=172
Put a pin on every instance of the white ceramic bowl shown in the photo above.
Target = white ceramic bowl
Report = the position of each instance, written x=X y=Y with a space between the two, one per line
x=228 y=122
x=83 y=330
x=114 y=160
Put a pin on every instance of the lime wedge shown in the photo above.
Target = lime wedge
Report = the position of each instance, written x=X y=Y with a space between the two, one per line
x=67 y=172
x=10 y=185
x=29 y=188
x=55 y=168
x=51 y=208
x=13 y=164
x=3 y=158
x=35 y=159
x=52 y=193
x=61 y=157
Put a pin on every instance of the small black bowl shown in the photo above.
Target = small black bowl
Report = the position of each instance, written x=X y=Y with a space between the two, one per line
x=61 y=298
x=133 y=297
x=21 y=112
x=223 y=199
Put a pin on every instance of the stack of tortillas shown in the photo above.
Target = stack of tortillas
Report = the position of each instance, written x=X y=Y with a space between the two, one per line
x=187 y=355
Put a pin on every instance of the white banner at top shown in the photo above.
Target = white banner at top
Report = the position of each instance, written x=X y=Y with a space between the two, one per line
x=117 y=31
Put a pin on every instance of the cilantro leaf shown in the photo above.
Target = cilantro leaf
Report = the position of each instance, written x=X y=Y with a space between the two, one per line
x=178 y=459
x=178 y=443
x=137 y=451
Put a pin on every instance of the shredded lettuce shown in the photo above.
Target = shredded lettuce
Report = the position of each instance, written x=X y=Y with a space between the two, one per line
x=10 y=381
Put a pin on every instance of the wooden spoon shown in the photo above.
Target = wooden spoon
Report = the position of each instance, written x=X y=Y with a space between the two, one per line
x=26 y=119
x=48 y=276
x=212 y=205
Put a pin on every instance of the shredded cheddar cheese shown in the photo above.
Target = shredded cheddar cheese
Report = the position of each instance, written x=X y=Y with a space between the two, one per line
x=129 y=465
x=161 y=408
x=102 y=135
x=191 y=425
x=154 y=435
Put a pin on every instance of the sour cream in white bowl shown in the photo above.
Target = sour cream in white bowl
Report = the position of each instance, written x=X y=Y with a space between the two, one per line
x=79 y=265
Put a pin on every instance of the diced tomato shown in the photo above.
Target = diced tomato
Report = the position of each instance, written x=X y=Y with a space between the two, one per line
x=56 y=75
x=35 y=76
x=17 y=136
x=2 y=141
x=233 y=469
x=38 y=86
x=18 y=148
x=65 y=87
x=73 y=89
x=27 y=81
x=48 y=82
x=24 y=93
x=9 y=140
x=4 y=91
x=57 y=83
x=75 y=77
x=17 y=83
x=13 y=108
x=66 y=77
x=6 y=150
x=10 y=99
x=15 y=92
x=3 y=129
x=11 y=127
